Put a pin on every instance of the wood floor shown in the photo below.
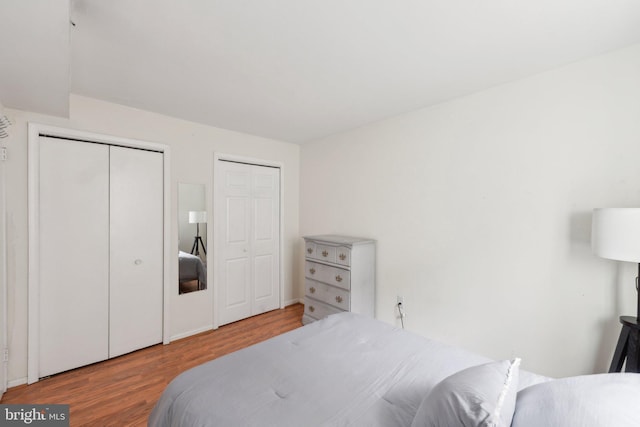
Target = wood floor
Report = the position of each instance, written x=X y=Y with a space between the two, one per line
x=122 y=391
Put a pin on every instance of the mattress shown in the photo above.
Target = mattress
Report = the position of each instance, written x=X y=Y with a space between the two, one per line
x=347 y=369
x=191 y=267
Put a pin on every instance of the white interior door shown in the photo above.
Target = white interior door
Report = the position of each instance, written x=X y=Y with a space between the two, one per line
x=247 y=208
x=233 y=206
x=74 y=254
x=265 y=239
x=97 y=244
x=136 y=253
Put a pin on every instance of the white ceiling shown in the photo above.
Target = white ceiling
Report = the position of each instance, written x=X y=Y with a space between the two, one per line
x=293 y=70
x=34 y=55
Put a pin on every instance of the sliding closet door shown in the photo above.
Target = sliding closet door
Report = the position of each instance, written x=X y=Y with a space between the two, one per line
x=74 y=254
x=248 y=211
x=136 y=267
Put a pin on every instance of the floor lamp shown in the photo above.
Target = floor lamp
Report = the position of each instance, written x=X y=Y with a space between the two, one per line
x=197 y=217
x=615 y=235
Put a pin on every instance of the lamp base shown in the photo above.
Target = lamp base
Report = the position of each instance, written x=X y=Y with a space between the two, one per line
x=628 y=347
x=195 y=249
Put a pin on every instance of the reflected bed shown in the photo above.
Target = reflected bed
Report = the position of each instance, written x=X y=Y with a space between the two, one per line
x=191 y=268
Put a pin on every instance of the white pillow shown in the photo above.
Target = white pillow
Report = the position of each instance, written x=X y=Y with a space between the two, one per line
x=480 y=396
x=603 y=400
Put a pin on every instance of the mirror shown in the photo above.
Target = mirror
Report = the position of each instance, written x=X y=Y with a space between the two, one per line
x=192 y=238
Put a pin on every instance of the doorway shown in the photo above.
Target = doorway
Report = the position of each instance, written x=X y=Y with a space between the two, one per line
x=247 y=238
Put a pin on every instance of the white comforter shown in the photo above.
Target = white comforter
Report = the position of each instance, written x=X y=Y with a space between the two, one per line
x=344 y=370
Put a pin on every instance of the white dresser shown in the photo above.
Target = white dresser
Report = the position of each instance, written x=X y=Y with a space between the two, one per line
x=339 y=276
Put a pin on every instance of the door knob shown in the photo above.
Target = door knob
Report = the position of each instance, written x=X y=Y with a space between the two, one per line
x=137 y=262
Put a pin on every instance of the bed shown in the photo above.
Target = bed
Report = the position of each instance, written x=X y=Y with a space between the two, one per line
x=351 y=370
x=191 y=267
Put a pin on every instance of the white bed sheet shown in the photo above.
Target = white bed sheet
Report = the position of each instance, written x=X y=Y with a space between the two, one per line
x=344 y=370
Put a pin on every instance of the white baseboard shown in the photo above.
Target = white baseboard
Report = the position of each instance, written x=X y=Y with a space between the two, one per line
x=15 y=383
x=190 y=333
x=293 y=301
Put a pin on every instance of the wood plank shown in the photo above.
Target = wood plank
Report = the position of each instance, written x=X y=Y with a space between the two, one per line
x=122 y=391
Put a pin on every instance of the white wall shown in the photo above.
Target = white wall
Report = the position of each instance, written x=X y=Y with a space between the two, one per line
x=481 y=207
x=192 y=147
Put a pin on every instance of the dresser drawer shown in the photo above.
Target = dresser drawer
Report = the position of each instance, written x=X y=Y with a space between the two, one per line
x=343 y=256
x=330 y=294
x=309 y=249
x=318 y=251
x=318 y=310
x=332 y=275
x=325 y=253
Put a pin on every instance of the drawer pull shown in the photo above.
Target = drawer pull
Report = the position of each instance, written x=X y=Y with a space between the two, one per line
x=338 y=299
x=325 y=254
x=309 y=250
x=338 y=278
x=312 y=308
x=312 y=290
x=312 y=270
x=343 y=257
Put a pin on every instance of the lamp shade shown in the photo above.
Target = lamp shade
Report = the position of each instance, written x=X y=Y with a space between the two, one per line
x=615 y=233
x=197 y=217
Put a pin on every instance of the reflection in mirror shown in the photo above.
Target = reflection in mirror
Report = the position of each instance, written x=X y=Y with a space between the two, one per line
x=192 y=238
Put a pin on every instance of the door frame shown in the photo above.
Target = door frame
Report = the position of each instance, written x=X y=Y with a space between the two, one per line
x=33 y=163
x=4 y=276
x=212 y=259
